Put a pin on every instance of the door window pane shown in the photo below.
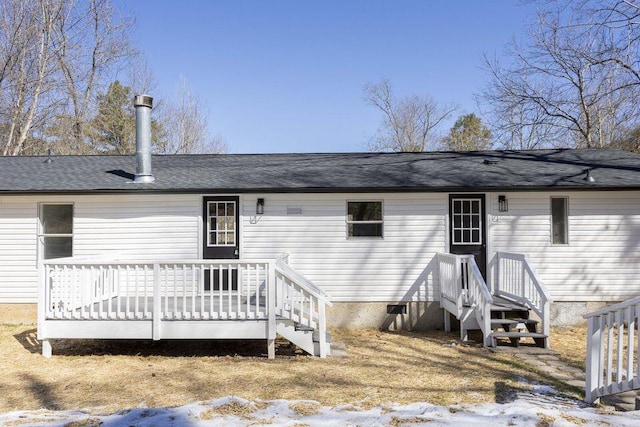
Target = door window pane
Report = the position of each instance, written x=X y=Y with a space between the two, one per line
x=222 y=223
x=466 y=222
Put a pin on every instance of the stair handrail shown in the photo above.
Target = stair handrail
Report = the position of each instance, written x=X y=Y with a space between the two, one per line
x=283 y=265
x=301 y=301
x=479 y=297
x=612 y=329
x=522 y=284
x=462 y=283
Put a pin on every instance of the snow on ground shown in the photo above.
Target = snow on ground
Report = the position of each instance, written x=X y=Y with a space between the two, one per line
x=540 y=405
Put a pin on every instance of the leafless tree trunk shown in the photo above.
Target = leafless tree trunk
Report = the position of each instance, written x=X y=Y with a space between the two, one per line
x=28 y=40
x=93 y=42
x=408 y=124
x=54 y=55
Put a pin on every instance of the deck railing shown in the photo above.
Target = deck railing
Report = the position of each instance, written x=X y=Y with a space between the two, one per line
x=514 y=278
x=89 y=290
x=613 y=352
x=461 y=282
x=121 y=290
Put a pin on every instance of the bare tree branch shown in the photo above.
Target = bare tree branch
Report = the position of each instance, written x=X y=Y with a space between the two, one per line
x=408 y=124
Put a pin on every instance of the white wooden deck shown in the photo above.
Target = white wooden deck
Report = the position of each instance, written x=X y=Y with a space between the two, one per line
x=172 y=300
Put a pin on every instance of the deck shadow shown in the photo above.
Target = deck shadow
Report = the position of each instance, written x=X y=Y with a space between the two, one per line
x=165 y=348
x=29 y=340
x=162 y=348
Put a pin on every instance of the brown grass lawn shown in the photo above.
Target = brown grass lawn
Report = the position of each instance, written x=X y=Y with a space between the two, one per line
x=382 y=368
x=571 y=343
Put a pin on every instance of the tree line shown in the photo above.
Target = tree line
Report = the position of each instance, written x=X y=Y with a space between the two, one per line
x=59 y=86
x=572 y=81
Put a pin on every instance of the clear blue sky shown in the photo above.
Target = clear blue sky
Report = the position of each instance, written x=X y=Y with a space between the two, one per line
x=287 y=76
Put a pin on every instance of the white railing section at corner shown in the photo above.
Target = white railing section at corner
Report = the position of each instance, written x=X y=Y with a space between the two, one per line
x=300 y=300
x=613 y=350
x=462 y=283
x=514 y=278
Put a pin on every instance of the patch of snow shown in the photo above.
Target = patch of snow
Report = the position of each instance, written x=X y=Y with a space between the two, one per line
x=536 y=405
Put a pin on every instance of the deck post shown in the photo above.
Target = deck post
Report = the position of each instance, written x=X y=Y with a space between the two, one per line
x=322 y=329
x=156 y=302
x=593 y=377
x=47 y=351
x=271 y=306
x=546 y=322
x=42 y=299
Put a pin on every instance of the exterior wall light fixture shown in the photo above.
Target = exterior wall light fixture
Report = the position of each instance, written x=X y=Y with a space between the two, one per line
x=260 y=207
x=503 y=203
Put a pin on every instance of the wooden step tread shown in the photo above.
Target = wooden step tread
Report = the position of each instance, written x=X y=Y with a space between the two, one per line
x=513 y=321
x=517 y=335
x=503 y=304
x=508 y=307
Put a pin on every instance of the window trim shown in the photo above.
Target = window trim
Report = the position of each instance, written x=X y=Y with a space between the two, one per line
x=41 y=234
x=348 y=223
x=566 y=219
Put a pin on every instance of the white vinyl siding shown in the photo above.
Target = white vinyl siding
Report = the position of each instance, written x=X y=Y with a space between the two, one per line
x=389 y=269
x=602 y=262
x=18 y=249
x=145 y=226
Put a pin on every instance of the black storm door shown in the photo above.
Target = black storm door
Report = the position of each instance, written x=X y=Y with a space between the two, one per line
x=468 y=229
x=221 y=239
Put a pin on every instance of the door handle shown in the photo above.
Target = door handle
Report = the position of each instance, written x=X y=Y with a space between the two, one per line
x=236 y=252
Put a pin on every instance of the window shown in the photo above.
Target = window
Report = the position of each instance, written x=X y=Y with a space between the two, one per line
x=467 y=221
x=364 y=219
x=221 y=223
x=56 y=230
x=559 y=220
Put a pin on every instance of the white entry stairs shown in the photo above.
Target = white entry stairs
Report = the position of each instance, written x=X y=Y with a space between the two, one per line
x=308 y=339
x=500 y=312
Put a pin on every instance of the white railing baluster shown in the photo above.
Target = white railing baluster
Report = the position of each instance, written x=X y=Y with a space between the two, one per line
x=203 y=295
x=630 y=318
x=229 y=291
x=238 y=292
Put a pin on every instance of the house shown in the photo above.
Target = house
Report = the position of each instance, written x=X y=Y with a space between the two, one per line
x=370 y=237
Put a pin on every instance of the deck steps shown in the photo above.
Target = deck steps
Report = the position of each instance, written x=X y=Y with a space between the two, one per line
x=510 y=322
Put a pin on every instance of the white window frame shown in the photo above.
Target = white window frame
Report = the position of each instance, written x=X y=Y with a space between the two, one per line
x=41 y=234
x=471 y=228
x=236 y=229
x=348 y=223
x=566 y=219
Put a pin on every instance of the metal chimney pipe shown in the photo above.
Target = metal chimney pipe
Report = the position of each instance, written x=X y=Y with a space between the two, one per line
x=143 y=105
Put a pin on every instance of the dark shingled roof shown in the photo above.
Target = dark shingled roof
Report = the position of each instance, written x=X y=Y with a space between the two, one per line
x=349 y=172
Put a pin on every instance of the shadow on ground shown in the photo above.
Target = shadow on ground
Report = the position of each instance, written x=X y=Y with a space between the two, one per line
x=165 y=348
